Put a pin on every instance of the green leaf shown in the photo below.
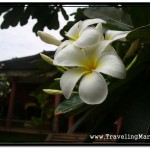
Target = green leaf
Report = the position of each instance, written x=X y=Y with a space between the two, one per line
x=12 y=17
x=38 y=26
x=140 y=15
x=114 y=16
x=141 y=33
x=53 y=23
x=25 y=16
x=64 y=13
x=4 y=9
x=69 y=105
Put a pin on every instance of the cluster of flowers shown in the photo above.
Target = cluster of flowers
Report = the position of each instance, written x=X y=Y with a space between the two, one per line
x=87 y=54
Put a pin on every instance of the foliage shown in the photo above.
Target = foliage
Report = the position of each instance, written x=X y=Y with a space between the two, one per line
x=46 y=15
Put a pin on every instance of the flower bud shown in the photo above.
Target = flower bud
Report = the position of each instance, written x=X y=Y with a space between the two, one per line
x=53 y=92
x=48 y=38
x=46 y=58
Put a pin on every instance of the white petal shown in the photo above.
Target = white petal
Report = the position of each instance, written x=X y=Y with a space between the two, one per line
x=92 y=53
x=103 y=45
x=89 y=22
x=63 y=45
x=115 y=35
x=93 y=88
x=111 y=65
x=81 y=25
x=70 y=56
x=74 y=31
x=121 y=37
x=100 y=29
x=88 y=37
x=109 y=49
x=69 y=80
x=48 y=38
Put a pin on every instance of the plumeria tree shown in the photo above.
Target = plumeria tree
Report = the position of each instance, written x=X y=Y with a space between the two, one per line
x=103 y=64
x=104 y=70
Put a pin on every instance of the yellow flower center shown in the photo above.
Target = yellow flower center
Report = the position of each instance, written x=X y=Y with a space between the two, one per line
x=92 y=66
x=74 y=38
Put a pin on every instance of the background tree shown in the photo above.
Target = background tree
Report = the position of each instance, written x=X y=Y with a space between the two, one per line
x=46 y=15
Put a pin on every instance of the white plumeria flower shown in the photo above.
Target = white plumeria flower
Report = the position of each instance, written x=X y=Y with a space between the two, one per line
x=82 y=35
x=88 y=63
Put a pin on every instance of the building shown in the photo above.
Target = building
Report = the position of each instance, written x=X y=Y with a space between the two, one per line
x=26 y=75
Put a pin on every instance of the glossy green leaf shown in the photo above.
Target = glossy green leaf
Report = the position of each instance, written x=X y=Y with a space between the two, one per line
x=69 y=105
x=141 y=33
x=139 y=14
x=114 y=16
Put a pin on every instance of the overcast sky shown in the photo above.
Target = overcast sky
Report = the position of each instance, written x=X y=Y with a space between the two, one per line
x=21 y=41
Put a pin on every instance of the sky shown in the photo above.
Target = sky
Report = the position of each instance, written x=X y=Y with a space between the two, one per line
x=20 y=41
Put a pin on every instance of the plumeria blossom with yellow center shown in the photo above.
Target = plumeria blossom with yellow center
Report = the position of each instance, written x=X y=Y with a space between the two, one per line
x=88 y=64
x=88 y=53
